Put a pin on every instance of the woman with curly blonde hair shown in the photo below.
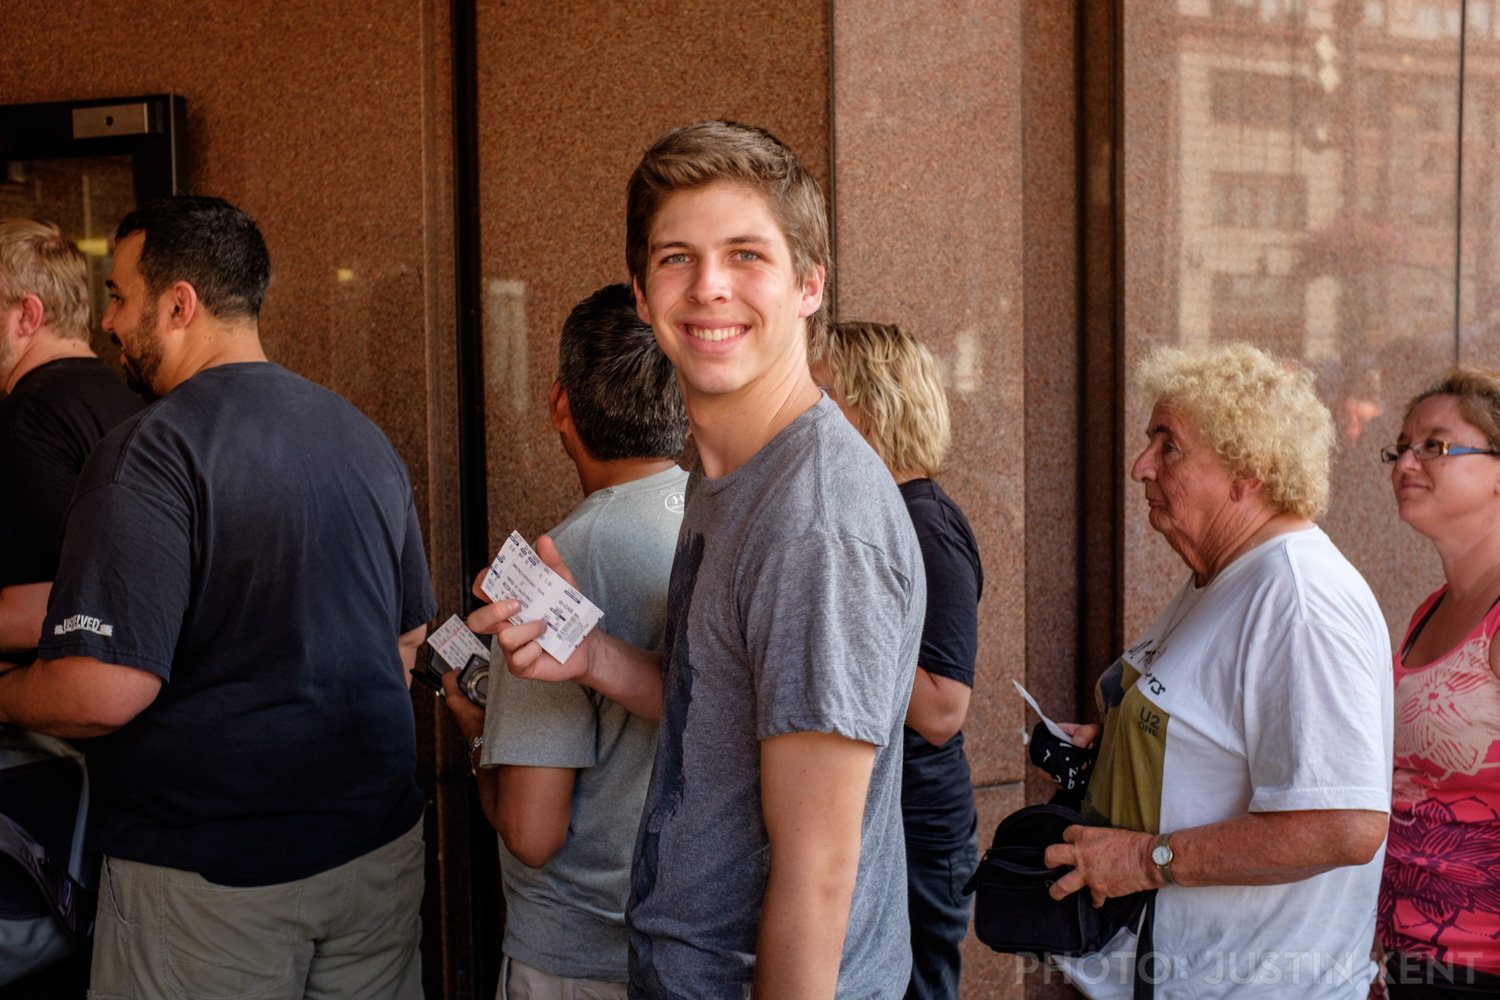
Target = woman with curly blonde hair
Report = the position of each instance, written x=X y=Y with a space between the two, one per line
x=1243 y=765
x=887 y=385
x=1440 y=901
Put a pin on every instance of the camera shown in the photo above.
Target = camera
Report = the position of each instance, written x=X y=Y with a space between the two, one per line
x=474 y=679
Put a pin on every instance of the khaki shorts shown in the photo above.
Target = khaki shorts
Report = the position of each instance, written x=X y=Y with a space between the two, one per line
x=519 y=981
x=350 y=932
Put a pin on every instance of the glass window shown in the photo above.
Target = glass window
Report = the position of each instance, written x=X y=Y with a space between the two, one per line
x=1314 y=214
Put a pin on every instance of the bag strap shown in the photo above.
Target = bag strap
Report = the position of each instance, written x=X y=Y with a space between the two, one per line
x=1145 y=946
x=70 y=902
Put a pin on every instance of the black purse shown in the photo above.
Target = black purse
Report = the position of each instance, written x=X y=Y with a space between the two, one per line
x=1012 y=909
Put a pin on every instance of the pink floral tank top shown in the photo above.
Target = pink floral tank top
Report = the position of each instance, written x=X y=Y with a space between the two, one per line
x=1440 y=897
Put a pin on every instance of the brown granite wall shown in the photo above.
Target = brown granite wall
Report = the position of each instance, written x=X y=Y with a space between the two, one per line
x=569 y=98
x=944 y=118
x=326 y=153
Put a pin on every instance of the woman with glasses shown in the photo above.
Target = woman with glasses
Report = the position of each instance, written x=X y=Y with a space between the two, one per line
x=887 y=385
x=1439 y=915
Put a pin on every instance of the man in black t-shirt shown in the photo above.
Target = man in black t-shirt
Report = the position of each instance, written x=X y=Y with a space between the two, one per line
x=60 y=399
x=241 y=593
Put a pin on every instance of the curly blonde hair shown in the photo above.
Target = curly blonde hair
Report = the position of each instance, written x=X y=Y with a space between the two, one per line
x=1477 y=391
x=892 y=380
x=1263 y=418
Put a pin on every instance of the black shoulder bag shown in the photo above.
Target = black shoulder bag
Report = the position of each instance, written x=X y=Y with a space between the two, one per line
x=1014 y=913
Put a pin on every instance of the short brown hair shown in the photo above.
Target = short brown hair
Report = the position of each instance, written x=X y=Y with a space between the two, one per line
x=1477 y=391
x=35 y=259
x=622 y=391
x=892 y=380
x=706 y=152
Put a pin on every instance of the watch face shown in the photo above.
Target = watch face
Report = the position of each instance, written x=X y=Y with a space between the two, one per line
x=1161 y=855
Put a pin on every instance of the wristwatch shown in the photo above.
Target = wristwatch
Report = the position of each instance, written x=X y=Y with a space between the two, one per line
x=478 y=742
x=1161 y=856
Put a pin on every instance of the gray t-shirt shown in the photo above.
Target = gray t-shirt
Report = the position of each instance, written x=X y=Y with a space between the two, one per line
x=568 y=916
x=796 y=606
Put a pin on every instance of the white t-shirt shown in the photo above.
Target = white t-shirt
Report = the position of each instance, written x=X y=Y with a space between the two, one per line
x=1267 y=690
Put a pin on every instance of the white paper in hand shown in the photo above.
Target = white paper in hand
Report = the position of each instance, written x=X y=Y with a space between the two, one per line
x=518 y=574
x=454 y=644
x=1052 y=727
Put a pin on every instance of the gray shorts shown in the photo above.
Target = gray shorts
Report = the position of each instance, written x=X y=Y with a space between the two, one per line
x=350 y=932
x=519 y=981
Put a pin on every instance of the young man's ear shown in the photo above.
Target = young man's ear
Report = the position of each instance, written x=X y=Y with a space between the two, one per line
x=812 y=291
x=557 y=408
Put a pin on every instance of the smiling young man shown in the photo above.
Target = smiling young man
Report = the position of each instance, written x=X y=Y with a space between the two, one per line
x=771 y=848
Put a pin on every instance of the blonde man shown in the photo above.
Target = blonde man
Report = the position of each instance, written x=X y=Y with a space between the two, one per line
x=770 y=851
x=60 y=399
x=887 y=384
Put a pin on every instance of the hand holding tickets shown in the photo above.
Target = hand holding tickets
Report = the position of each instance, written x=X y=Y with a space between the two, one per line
x=518 y=574
x=453 y=643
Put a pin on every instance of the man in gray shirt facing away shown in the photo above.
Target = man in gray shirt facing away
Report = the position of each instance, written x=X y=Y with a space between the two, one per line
x=562 y=769
x=770 y=855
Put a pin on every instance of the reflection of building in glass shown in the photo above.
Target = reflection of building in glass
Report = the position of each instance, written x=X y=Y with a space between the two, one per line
x=1316 y=167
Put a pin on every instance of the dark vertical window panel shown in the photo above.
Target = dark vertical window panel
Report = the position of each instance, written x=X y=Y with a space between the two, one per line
x=473 y=914
x=1100 y=360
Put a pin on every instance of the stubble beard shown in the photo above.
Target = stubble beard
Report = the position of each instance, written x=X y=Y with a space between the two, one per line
x=141 y=368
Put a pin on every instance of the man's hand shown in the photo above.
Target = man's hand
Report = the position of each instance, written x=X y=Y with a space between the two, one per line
x=1270 y=848
x=467 y=716
x=1110 y=862
x=616 y=669
x=524 y=656
x=1081 y=734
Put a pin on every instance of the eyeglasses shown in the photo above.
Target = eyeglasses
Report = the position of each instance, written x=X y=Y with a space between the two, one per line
x=1424 y=451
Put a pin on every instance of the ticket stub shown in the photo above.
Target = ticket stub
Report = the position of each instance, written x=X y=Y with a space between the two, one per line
x=1052 y=727
x=518 y=574
x=453 y=643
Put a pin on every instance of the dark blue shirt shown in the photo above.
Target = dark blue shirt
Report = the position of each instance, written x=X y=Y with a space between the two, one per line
x=937 y=798
x=250 y=539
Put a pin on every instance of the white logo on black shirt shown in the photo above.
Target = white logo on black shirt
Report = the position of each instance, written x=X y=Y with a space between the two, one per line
x=84 y=623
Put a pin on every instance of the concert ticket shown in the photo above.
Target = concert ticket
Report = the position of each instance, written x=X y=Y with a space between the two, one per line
x=453 y=643
x=518 y=574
